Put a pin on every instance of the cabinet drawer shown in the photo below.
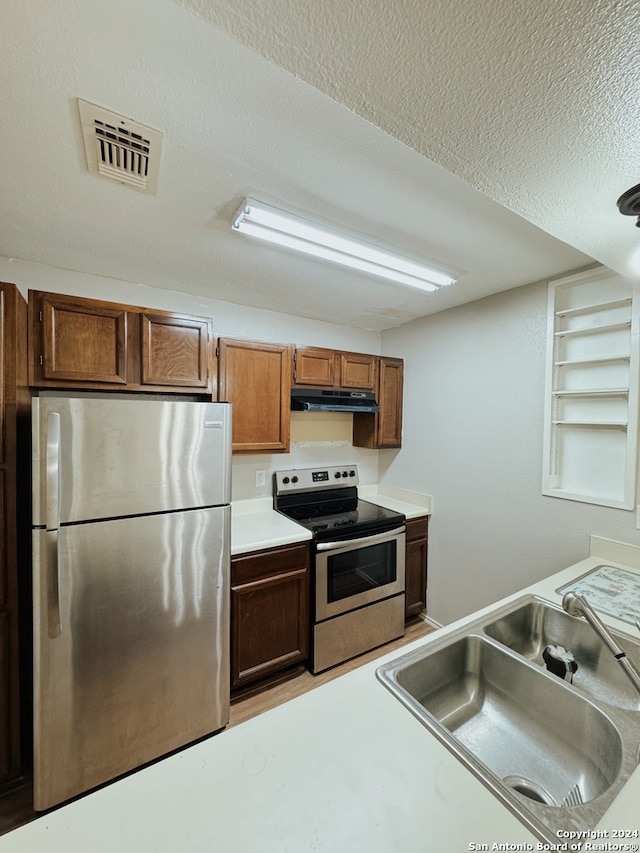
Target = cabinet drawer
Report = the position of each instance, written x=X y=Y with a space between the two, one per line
x=249 y=567
x=417 y=528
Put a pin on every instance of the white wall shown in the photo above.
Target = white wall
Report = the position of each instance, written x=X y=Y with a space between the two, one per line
x=330 y=445
x=473 y=428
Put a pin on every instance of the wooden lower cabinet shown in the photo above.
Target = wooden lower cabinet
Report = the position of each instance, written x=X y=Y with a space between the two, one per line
x=270 y=612
x=416 y=566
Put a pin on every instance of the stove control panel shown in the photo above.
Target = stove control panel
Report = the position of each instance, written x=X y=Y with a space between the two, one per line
x=310 y=479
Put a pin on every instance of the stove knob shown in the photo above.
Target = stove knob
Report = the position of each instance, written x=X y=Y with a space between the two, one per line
x=337 y=474
x=345 y=473
x=352 y=473
x=294 y=479
x=285 y=480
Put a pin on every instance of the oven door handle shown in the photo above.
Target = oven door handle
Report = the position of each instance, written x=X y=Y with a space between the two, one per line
x=363 y=540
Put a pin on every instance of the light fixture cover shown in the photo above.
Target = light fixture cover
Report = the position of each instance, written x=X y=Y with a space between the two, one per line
x=293 y=232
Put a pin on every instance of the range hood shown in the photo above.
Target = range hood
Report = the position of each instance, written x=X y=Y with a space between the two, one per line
x=334 y=400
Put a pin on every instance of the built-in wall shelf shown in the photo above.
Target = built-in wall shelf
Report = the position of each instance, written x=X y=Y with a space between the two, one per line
x=593 y=424
x=591 y=409
x=595 y=392
x=591 y=330
x=589 y=309
x=606 y=359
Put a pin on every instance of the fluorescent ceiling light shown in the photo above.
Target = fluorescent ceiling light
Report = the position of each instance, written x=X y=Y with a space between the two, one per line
x=285 y=229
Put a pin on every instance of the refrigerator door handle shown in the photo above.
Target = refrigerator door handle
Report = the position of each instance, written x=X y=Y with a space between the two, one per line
x=54 y=622
x=52 y=472
x=52 y=497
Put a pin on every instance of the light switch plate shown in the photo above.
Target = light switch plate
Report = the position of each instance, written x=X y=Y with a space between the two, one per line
x=260 y=477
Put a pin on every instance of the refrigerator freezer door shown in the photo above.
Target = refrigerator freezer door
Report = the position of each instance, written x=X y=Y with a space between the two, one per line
x=128 y=457
x=140 y=665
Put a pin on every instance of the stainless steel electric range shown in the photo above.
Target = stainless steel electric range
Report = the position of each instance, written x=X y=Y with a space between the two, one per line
x=358 y=559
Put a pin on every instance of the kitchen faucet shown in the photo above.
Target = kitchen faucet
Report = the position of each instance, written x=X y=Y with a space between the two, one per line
x=577 y=605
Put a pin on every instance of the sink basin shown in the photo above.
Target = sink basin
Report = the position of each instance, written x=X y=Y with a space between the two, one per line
x=547 y=734
x=555 y=756
x=537 y=623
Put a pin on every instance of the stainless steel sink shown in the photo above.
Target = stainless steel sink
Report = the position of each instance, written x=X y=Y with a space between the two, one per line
x=553 y=755
x=535 y=624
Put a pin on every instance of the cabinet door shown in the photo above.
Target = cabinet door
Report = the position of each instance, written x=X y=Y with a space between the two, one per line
x=269 y=612
x=416 y=567
x=175 y=350
x=383 y=430
x=316 y=366
x=390 y=402
x=256 y=378
x=81 y=340
x=358 y=370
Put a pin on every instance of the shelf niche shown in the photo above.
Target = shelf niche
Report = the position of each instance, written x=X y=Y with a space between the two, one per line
x=591 y=401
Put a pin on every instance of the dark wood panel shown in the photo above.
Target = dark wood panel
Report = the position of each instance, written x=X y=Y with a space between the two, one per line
x=175 y=350
x=246 y=568
x=6 y=693
x=5 y=518
x=15 y=542
x=416 y=565
x=390 y=402
x=270 y=612
x=270 y=626
x=383 y=430
x=417 y=528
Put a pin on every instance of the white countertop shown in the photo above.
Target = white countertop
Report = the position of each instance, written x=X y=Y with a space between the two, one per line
x=255 y=525
x=342 y=768
x=411 y=504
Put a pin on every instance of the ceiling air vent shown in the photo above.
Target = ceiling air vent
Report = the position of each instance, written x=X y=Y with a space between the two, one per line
x=120 y=149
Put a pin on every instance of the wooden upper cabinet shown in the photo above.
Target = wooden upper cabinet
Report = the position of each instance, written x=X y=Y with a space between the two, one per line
x=383 y=430
x=358 y=370
x=87 y=343
x=256 y=378
x=390 y=402
x=328 y=368
x=81 y=340
x=316 y=366
x=175 y=350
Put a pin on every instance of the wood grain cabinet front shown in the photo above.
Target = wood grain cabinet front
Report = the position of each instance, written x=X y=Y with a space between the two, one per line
x=15 y=540
x=175 y=350
x=384 y=429
x=328 y=368
x=416 y=566
x=87 y=343
x=256 y=378
x=270 y=616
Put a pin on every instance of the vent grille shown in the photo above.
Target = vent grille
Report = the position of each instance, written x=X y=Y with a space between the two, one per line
x=120 y=149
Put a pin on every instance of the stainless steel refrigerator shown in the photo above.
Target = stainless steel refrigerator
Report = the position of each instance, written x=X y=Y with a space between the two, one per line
x=131 y=544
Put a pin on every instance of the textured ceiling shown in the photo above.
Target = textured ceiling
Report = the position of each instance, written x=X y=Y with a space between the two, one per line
x=537 y=105
x=491 y=137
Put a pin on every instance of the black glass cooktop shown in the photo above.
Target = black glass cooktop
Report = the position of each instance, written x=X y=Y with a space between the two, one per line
x=345 y=519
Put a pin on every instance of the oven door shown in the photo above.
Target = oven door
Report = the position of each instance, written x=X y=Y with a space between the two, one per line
x=355 y=572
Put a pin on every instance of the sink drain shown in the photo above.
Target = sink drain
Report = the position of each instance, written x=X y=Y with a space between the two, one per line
x=530 y=789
